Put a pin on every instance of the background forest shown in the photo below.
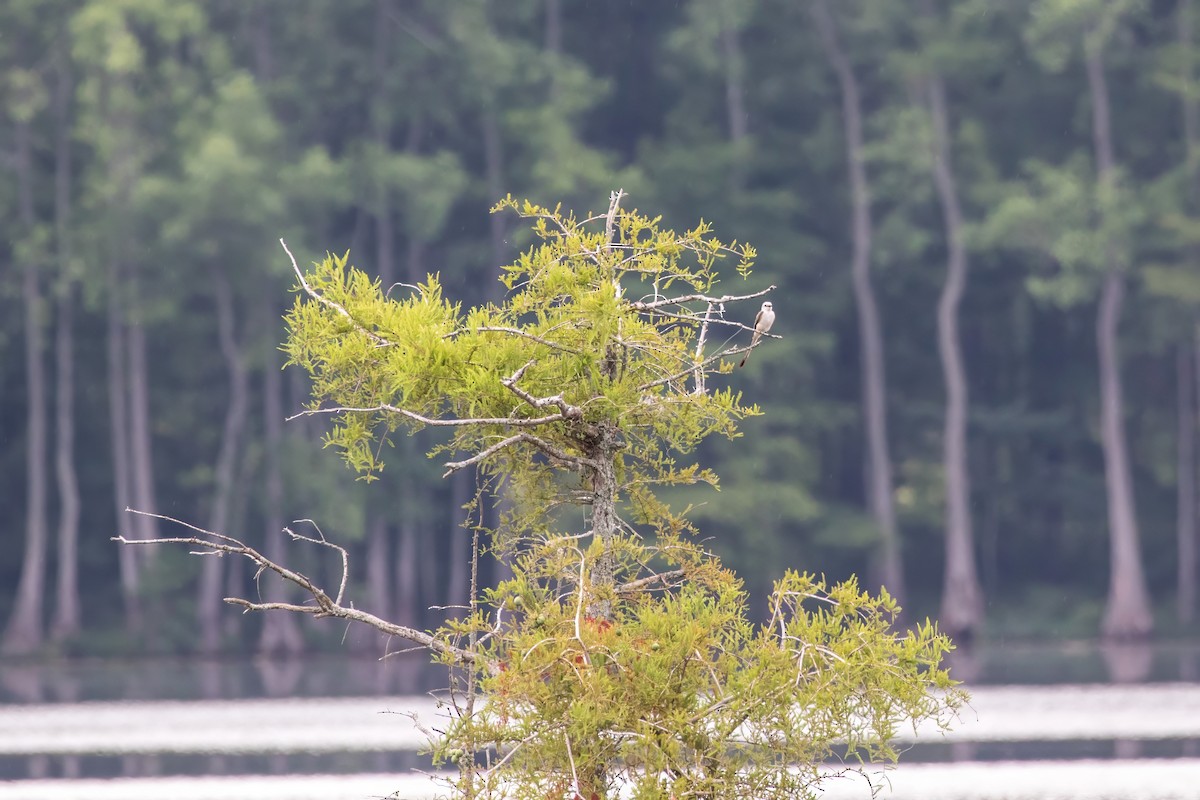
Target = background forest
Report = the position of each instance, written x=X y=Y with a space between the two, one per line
x=983 y=219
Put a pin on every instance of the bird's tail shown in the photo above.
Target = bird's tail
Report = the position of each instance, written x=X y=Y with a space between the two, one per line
x=745 y=358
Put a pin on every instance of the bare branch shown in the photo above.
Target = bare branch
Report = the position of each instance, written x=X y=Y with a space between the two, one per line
x=433 y=422
x=540 y=444
x=642 y=584
x=614 y=203
x=325 y=542
x=640 y=305
x=220 y=544
x=325 y=301
x=568 y=411
x=690 y=370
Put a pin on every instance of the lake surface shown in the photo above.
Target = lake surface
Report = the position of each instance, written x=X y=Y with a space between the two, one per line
x=1074 y=721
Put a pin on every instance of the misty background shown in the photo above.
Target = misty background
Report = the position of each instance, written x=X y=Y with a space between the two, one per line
x=983 y=219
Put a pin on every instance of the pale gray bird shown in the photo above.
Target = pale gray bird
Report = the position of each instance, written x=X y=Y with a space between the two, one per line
x=762 y=324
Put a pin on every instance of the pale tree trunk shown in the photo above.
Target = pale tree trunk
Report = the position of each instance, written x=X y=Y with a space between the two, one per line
x=141 y=456
x=128 y=560
x=25 y=627
x=962 y=597
x=888 y=564
x=208 y=599
x=458 y=583
x=280 y=632
x=408 y=588
x=1185 y=376
x=67 y=615
x=1127 y=613
x=378 y=572
x=1185 y=372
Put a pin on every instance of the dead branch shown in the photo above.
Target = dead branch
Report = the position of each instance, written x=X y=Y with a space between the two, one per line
x=528 y=438
x=642 y=584
x=433 y=422
x=568 y=411
x=218 y=544
x=640 y=305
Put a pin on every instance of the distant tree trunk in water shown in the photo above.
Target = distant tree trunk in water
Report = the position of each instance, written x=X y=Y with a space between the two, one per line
x=408 y=609
x=280 y=632
x=128 y=558
x=67 y=615
x=1187 y=353
x=141 y=449
x=378 y=561
x=208 y=600
x=1127 y=614
x=25 y=627
x=888 y=566
x=458 y=585
x=962 y=597
x=1185 y=377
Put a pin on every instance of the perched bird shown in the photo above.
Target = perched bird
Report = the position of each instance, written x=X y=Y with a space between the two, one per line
x=762 y=324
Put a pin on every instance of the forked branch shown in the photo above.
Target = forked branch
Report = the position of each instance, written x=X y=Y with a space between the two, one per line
x=218 y=544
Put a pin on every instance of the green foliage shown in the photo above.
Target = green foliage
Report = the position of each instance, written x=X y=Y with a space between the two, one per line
x=568 y=333
x=1066 y=214
x=678 y=695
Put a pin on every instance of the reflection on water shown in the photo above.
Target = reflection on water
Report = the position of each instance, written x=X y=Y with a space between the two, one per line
x=1075 y=662
x=215 y=679
x=65 y=725
x=412 y=673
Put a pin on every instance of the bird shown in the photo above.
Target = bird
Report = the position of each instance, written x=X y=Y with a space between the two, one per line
x=762 y=324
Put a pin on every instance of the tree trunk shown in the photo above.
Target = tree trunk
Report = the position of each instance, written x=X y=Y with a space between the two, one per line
x=408 y=589
x=1186 y=372
x=888 y=564
x=962 y=597
x=128 y=559
x=458 y=584
x=280 y=632
x=25 y=627
x=67 y=615
x=1127 y=614
x=141 y=457
x=208 y=599
x=1185 y=527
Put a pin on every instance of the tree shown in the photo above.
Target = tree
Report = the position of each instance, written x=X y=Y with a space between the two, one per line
x=1127 y=612
x=619 y=653
x=890 y=563
x=962 y=597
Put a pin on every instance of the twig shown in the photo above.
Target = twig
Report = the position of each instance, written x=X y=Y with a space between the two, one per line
x=323 y=541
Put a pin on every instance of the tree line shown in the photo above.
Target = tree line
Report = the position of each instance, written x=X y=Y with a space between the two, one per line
x=981 y=219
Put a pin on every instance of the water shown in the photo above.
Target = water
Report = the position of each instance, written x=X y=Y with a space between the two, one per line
x=1065 y=722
